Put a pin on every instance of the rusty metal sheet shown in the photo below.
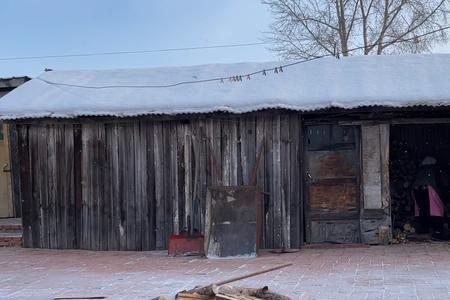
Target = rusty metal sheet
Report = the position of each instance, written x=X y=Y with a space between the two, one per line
x=327 y=137
x=232 y=221
x=332 y=164
x=333 y=198
x=337 y=231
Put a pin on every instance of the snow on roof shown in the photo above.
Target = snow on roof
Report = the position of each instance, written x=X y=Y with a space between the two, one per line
x=392 y=81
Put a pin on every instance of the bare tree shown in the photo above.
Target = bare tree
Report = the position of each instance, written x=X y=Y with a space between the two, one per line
x=312 y=28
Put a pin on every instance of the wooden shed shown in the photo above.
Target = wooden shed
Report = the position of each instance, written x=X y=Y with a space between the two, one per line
x=118 y=160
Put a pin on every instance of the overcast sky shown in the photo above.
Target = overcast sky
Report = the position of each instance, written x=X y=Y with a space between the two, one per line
x=55 y=27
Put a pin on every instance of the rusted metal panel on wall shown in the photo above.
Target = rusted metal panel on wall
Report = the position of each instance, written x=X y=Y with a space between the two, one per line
x=332 y=164
x=336 y=231
x=333 y=198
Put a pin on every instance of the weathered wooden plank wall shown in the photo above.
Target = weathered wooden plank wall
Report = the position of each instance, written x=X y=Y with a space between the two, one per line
x=130 y=184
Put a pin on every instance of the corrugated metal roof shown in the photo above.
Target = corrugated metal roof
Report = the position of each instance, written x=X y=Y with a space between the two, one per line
x=392 y=81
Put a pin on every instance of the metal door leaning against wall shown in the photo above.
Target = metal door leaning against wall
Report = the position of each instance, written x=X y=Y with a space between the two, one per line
x=332 y=178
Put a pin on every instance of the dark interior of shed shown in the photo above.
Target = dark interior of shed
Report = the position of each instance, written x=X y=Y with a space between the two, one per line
x=419 y=182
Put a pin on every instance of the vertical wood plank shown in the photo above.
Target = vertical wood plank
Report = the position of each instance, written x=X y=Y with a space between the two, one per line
x=234 y=140
x=78 y=184
x=102 y=193
x=296 y=181
x=122 y=191
x=138 y=186
x=188 y=174
x=285 y=181
x=203 y=190
x=26 y=191
x=116 y=233
x=269 y=196
x=250 y=121
x=52 y=188
x=245 y=163
x=384 y=142
x=129 y=185
x=181 y=169
x=276 y=182
x=43 y=188
x=168 y=216
x=173 y=191
x=226 y=151
x=261 y=146
x=86 y=182
x=59 y=186
x=35 y=178
x=151 y=162
x=141 y=184
x=68 y=182
x=159 y=185
x=371 y=166
x=94 y=189
x=217 y=150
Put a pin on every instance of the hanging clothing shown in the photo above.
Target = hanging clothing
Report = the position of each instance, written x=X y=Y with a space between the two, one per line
x=427 y=202
x=426 y=176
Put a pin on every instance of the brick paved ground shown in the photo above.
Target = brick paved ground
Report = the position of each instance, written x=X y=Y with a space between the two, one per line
x=412 y=271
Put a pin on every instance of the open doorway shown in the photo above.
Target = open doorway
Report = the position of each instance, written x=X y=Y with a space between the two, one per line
x=419 y=183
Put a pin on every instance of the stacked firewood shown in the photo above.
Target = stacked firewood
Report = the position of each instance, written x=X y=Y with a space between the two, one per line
x=402 y=171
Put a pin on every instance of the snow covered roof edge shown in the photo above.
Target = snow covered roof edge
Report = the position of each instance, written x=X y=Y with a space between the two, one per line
x=392 y=81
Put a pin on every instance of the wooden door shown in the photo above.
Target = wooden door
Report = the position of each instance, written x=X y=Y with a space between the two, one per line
x=332 y=184
x=6 y=204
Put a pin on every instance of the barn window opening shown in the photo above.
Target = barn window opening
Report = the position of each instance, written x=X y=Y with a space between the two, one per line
x=419 y=182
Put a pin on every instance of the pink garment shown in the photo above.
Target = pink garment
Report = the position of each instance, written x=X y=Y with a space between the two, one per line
x=436 y=205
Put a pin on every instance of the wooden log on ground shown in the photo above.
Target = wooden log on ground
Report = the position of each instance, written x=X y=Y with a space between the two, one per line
x=209 y=289
x=240 y=293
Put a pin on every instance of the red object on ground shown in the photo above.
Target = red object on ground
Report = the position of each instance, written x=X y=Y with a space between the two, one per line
x=183 y=244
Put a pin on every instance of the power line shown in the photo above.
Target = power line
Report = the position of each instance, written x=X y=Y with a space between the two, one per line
x=135 y=52
x=239 y=77
x=277 y=69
